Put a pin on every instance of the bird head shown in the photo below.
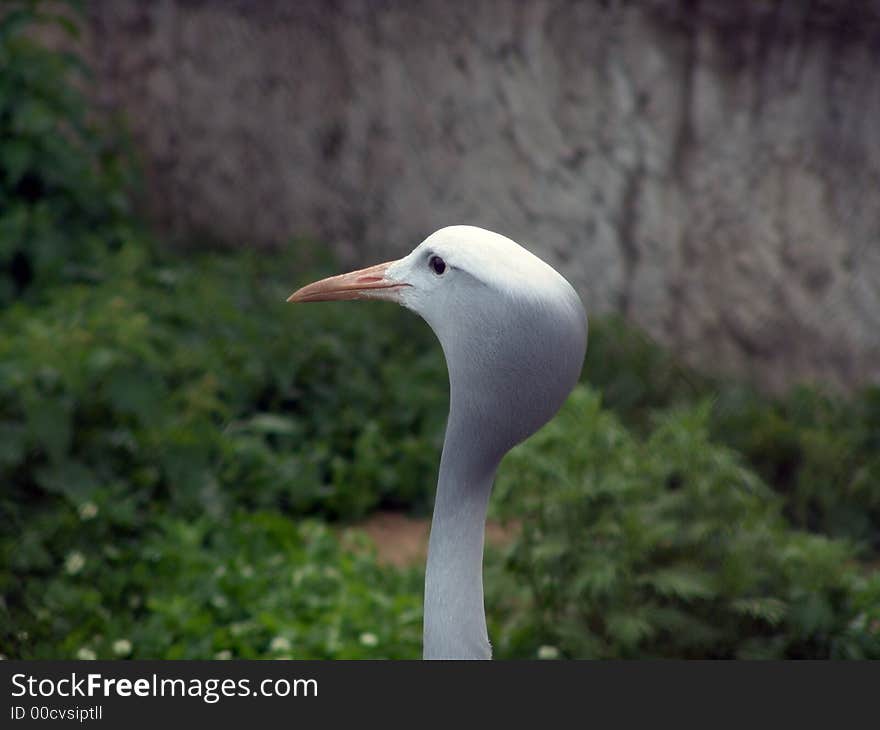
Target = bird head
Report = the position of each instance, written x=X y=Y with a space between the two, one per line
x=513 y=330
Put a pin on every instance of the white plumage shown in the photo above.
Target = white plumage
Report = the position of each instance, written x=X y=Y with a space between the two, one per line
x=514 y=335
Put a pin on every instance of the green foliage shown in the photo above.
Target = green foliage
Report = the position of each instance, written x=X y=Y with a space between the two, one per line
x=182 y=395
x=188 y=396
x=667 y=547
x=246 y=586
x=820 y=451
x=62 y=181
x=197 y=382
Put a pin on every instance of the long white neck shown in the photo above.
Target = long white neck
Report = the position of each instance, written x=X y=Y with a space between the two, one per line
x=512 y=361
x=455 y=619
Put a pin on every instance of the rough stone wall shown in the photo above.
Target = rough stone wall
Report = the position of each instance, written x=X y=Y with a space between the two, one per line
x=711 y=169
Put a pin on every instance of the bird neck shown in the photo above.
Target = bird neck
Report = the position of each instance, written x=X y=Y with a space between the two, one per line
x=455 y=618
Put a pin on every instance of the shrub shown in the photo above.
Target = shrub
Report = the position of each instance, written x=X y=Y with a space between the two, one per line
x=667 y=547
x=190 y=396
x=199 y=374
x=246 y=586
x=62 y=178
x=821 y=451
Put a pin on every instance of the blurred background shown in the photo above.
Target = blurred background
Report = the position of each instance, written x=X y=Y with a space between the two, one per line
x=190 y=468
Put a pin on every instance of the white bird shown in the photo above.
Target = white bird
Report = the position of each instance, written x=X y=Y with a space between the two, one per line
x=514 y=333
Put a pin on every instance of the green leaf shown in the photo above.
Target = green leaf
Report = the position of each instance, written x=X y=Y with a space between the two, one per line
x=629 y=628
x=771 y=610
x=681 y=582
x=72 y=479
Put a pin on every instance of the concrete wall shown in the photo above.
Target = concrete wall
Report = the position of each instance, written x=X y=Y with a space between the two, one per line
x=711 y=169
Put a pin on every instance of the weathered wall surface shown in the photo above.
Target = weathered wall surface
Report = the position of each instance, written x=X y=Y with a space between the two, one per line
x=711 y=169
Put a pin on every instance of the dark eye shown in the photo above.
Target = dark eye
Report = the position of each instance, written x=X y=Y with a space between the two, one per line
x=437 y=264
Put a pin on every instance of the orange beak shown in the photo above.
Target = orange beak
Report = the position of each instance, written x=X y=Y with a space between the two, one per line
x=369 y=283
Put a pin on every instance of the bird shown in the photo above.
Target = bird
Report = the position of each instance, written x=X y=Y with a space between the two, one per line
x=513 y=331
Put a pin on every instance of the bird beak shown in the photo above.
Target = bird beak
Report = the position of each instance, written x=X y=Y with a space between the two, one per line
x=369 y=283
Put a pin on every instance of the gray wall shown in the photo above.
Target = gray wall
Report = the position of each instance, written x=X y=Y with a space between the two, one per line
x=711 y=169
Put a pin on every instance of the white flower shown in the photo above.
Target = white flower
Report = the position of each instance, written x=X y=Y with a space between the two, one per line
x=88 y=510
x=74 y=562
x=280 y=643
x=219 y=571
x=247 y=571
x=369 y=639
x=219 y=601
x=225 y=654
x=86 y=654
x=548 y=652
x=122 y=647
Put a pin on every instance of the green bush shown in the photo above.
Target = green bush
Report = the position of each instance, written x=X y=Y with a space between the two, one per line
x=191 y=392
x=667 y=547
x=63 y=180
x=249 y=585
x=196 y=382
x=821 y=451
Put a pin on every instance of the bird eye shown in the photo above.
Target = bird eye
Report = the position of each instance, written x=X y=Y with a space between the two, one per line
x=437 y=264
